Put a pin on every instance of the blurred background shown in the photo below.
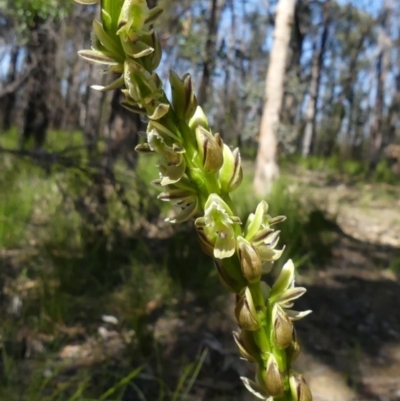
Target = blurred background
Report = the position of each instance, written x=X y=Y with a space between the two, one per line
x=100 y=299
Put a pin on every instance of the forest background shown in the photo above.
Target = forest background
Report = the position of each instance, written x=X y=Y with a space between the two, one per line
x=99 y=297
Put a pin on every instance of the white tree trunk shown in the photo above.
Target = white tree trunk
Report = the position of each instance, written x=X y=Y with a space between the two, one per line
x=309 y=131
x=266 y=164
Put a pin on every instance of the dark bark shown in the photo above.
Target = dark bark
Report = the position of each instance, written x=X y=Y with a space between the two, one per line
x=41 y=48
x=93 y=109
x=316 y=73
x=216 y=7
x=122 y=137
x=10 y=98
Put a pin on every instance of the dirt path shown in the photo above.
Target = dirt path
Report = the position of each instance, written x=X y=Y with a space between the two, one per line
x=352 y=340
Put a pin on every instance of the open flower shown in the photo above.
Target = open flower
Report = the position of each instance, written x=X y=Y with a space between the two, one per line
x=184 y=196
x=133 y=18
x=258 y=231
x=172 y=166
x=218 y=226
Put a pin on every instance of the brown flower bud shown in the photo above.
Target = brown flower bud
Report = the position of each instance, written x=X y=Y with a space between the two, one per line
x=244 y=352
x=226 y=280
x=248 y=348
x=283 y=327
x=293 y=350
x=246 y=313
x=299 y=388
x=273 y=378
x=250 y=261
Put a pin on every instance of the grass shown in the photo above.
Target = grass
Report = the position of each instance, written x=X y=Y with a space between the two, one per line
x=77 y=243
x=349 y=170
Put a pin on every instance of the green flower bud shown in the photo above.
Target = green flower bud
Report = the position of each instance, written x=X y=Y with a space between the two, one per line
x=285 y=279
x=231 y=174
x=190 y=98
x=299 y=388
x=246 y=313
x=209 y=150
x=199 y=119
x=178 y=94
x=183 y=97
x=109 y=43
x=273 y=378
x=153 y=60
x=250 y=261
x=283 y=327
x=254 y=221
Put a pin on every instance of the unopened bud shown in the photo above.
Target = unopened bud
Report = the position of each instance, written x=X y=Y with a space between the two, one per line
x=209 y=150
x=231 y=174
x=190 y=98
x=273 y=378
x=199 y=119
x=244 y=352
x=250 y=261
x=248 y=341
x=283 y=327
x=293 y=351
x=246 y=313
x=284 y=280
x=255 y=220
x=226 y=280
x=299 y=388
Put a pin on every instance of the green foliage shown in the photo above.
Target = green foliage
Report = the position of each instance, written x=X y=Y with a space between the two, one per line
x=347 y=168
x=383 y=173
x=27 y=14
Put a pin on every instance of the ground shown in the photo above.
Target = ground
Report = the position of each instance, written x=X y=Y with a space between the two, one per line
x=351 y=342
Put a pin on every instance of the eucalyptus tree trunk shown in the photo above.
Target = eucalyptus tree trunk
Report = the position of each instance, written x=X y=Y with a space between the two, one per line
x=10 y=98
x=216 y=7
x=350 y=83
x=266 y=164
x=382 y=67
x=93 y=110
x=394 y=112
x=42 y=49
x=292 y=96
x=316 y=70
